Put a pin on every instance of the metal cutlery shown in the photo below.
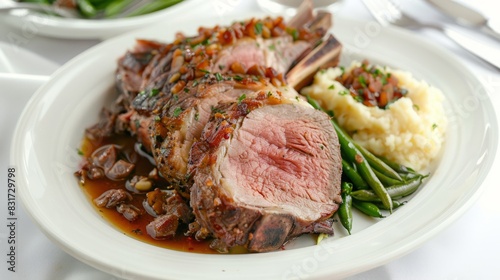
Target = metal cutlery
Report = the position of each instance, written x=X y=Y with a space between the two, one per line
x=466 y=16
x=386 y=12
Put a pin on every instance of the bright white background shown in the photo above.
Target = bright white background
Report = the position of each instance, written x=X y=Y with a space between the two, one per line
x=468 y=249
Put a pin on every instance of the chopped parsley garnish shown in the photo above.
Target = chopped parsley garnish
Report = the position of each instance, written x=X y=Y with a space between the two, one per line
x=293 y=32
x=195 y=83
x=186 y=89
x=157 y=118
x=416 y=107
x=434 y=126
x=216 y=110
x=222 y=66
x=205 y=71
x=196 y=116
x=363 y=66
x=343 y=92
x=359 y=99
x=269 y=94
x=218 y=76
x=79 y=152
x=376 y=72
x=272 y=47
x=342 y=68
x=237 y=78
x=243 y=96
x=258 y=28
x=362 y=81
x=177 y=111
x=331 y=87
x=384 y=80
x=154 y=92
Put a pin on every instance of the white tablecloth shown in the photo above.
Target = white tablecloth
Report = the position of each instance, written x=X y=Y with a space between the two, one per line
x=468 y=249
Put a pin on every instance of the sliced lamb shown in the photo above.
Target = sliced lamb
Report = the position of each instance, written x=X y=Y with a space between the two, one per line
x=182 y=81
x=266 y=176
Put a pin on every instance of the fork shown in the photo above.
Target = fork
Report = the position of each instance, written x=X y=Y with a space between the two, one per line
x=386 y=12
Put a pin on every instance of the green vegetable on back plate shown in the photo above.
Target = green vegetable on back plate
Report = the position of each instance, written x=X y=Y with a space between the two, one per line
x=96 y=9
x=153 y=7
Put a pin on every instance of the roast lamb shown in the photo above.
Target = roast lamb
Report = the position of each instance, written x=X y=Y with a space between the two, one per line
x=219 y=116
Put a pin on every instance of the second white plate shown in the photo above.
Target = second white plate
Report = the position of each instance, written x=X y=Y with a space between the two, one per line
x=93 y=29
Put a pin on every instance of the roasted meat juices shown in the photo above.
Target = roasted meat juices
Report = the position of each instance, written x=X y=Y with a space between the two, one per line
x=250 y=162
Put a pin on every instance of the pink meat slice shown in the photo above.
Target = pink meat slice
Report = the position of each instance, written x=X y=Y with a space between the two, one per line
x=275 y=177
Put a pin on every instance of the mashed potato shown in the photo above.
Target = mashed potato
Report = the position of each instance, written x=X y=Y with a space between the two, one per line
x=410 y=131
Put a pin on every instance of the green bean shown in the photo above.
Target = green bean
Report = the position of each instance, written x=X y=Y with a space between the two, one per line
x=387 y=181
x=410 y=176
x=153 y=7
x=395 y=191
x=368 y=208
x=395 y=204
x=345 y=209
x=116 y=7
x=86 y=8
x=313 y=103
x=353 y=176
x=354 y=155
x=364 y=169
x=374 y=161
x=378 y=164
x=397 y=167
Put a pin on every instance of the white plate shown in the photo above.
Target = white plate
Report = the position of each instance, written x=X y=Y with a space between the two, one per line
x=32 y=22
x=16 y=60
x=51 y=128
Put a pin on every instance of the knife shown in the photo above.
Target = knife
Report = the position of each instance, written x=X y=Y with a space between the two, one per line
x=467 y=16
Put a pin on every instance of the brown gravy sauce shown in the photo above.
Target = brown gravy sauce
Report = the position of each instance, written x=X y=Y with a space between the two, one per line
x=137 y=228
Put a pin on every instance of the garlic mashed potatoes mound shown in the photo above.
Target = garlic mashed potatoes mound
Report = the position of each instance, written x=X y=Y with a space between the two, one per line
x=410 y=131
